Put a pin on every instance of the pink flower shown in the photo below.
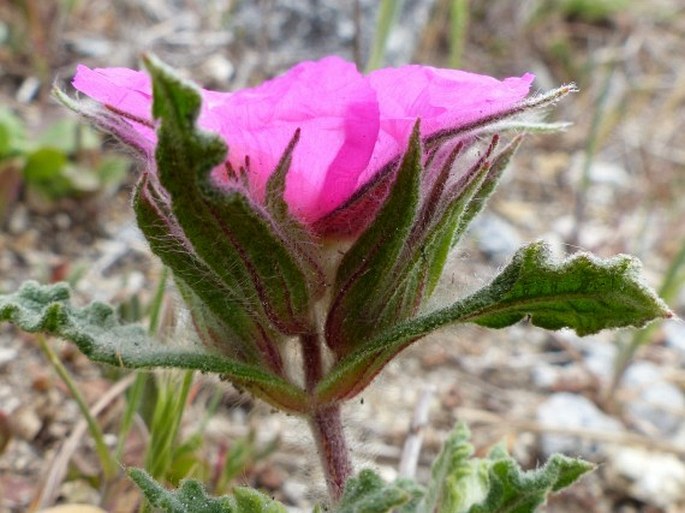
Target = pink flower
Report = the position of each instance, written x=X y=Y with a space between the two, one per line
x=351 y=125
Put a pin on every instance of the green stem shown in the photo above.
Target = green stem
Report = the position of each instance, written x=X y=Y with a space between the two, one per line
x=459 y=16
x=386 y=18
x=326 y=425
x=109 y=465
x=325 y=422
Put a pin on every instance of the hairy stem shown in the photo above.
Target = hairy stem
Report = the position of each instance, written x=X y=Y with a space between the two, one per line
x=325 y=423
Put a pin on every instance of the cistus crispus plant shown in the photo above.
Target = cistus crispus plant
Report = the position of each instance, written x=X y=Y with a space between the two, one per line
x=313 y=215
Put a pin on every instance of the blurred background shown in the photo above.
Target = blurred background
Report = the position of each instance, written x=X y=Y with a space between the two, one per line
x=613 y=182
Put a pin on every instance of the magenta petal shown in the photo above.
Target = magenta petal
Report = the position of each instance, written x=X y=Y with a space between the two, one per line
x=441 y=98
x=351 y=126
x=337 y=112
x=124 y=89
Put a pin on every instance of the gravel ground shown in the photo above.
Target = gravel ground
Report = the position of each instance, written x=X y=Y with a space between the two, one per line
x=537 y=392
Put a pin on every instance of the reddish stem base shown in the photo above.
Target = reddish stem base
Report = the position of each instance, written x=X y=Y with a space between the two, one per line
x=326 y=426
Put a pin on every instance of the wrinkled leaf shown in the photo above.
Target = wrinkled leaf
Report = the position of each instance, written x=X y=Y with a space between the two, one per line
x=582 y=292
x=512 y=490
x=457 y=481
x=191 y=497
x=367 y=493
x=99 y=334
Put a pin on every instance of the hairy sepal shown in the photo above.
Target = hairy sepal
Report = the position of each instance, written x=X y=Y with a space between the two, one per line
x=301 y=241
x=239 y=325
x=364 y=270
x=487 y=187
x=420 y=266
x=583 y=293
x=108 y=122
x=98 y=333
x=228 y=231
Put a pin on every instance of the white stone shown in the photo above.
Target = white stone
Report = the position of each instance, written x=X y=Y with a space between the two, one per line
x=7 y=354
x=654 y=400
x=655 y=478
x=565 y=410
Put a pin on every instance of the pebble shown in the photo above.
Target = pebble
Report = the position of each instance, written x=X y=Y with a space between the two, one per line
x=25 y=423
x=73 y=508
x=652 y=477
x=654 y=401
x=219 y=68
x=566 y=410
x=79 y=491
x=7 y=354
x=495 y=237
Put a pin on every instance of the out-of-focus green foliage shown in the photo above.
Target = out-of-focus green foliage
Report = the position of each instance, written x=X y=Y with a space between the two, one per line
x=592 y=11
x=66 y=160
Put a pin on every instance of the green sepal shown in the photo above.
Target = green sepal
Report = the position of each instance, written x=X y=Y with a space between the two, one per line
x=499 y=164
x=420 y=266
x=261 y=349
x=363 y=272
x=281 y=284
x=167 y=241
x=191 y=497
x=367 y=493
x=583 y=292
x=293 y=233
x=227 y=230
x=98 y=333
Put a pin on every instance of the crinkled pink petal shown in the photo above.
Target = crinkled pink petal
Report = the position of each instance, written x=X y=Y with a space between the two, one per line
x=130 y=91
x=350 y=125
x=441 y=98
x=329 y=100
x=337 y=112
x=124 y=89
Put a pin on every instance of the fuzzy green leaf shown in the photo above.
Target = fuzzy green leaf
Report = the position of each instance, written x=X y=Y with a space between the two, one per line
x=583 y=292
x=463 y=484
x=367 y=493
x=460 y=483
x=457 y=481
x=99 y=334
x=191 y=497
x=512 y=490
x=364 y=267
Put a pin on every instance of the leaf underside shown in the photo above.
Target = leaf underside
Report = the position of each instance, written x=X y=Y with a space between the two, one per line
x=99 y=334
